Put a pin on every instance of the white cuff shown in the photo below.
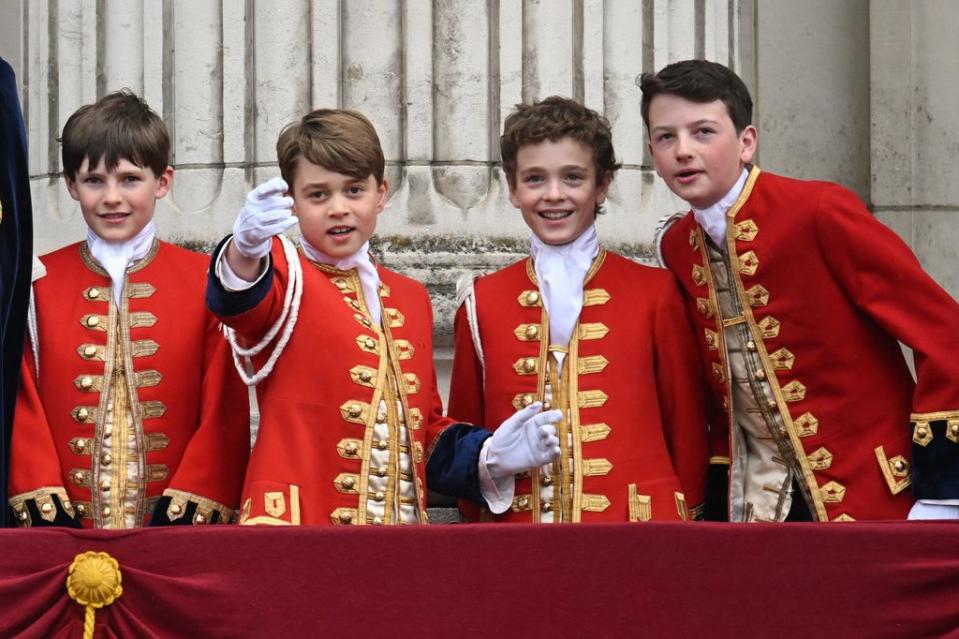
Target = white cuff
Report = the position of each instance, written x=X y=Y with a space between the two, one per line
x=228 y=278
x=934 y=509
x=498 y=493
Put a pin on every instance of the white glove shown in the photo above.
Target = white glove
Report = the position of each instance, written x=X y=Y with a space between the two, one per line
x=931 y=510
x=525 y=440
x=267 y=212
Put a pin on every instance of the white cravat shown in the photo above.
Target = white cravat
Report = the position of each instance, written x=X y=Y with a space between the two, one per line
x=713 y=218
x=361 y=261
x=560 y=271
x=116 y=257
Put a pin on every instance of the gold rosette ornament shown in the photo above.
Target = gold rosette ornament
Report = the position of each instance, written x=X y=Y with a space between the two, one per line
x=93 y=581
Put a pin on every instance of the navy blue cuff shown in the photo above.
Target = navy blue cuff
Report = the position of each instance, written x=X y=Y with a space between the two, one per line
x=229 y=303
x=452 y=468
x=935 y=466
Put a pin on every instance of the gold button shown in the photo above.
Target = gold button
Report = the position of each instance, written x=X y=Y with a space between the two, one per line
x=346 y=298
x=532 y=298
x=350 y=448
x=345 y=518
x=370 y=342
x=523 y=502
x=529 y=365
x=379 y=495
x=354 y=410
x=381 y=471
x=46 y=508
x=107 y=430
x=347 y=482
x=922 y=431
x=81 y=444
x=93 y=293
x=66 y=504
x=382 y=444
x=527 y=399
x=547 y=507
x=78 y=476
x=106 y=511
x=105 y=485
x=366 y=376
x=955 y=429
x=760 y=375
x=381 y=418
x=89 y=350
x=546 y=480
x=751 y=345
x=772 y=403
x=23 y=515
x=377 y=521
x=547 y=405
x=106 y=459
x=86 y=382
x=899 y=465
x=176 y=509
x=83 y=414
x=532 y=331
x=92 y=321
x=81 y=508
x=200 y=519
x=340 y=283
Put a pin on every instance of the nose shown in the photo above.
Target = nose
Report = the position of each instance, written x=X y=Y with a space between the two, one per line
x=554 y=190
x=338 y=206
x=682 y=148
x=112 y=195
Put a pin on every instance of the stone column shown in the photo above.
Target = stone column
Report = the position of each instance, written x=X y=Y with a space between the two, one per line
x=915 y=128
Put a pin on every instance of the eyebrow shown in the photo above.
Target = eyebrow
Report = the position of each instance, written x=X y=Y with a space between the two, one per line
x=691 y=124
x=565 y=167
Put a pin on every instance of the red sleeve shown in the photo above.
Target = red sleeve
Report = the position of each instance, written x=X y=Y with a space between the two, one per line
x=34 y=462
x=883 y=278
x=214 y=462
x=466 y=386
x=682 y=394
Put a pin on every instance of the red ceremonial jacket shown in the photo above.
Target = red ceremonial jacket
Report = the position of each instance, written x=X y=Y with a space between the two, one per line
x=827 y=290
x=318 y=405
x=190 y=411
x=638 y=422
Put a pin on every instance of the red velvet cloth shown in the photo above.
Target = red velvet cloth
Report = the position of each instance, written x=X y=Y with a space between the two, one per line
x=588 y=580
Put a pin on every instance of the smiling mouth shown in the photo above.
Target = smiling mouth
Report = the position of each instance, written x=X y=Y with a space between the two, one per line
x=554 y=215
x=339 y=231
x=113 y=217
x=687 y=175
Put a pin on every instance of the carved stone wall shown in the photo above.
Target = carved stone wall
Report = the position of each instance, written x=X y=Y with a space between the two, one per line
x=436 y=77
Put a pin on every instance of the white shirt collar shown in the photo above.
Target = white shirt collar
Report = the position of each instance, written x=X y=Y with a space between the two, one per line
x=713 y=218
x=116 y=257
x=369 y=277
x=561 y=271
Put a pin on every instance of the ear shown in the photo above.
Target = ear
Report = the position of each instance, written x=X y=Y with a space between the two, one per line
x=652 y=157
x=72 y=187
x=382 y=190
x=603 y=188
x=164 y=182
x=748 y=141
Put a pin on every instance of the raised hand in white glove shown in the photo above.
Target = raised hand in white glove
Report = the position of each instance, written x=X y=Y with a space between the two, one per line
x=525 y=440
x=267 y=212
x=923 y=509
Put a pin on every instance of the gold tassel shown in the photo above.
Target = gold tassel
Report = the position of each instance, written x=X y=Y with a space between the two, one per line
x=93 y=581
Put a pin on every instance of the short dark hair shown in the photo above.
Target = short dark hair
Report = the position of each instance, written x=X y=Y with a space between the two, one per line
x=339 y=140
x=555 y=118
x=700 y=81
x=118 y=126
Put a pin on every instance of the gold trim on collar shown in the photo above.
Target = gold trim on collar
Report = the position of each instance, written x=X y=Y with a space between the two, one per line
x=91 y=263
x=593 y=269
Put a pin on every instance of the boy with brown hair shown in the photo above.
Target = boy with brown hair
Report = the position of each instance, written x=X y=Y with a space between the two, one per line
x=600 y=338
x=129 y=410
x=800 y=296
x=351 y=430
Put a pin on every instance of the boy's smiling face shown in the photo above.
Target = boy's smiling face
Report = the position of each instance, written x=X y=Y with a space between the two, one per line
x=556 y=189
x=117 y=204
x=337 y=212
x=696 y=149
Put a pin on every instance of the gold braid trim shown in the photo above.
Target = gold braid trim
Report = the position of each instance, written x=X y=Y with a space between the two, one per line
x=44 y=498
x=204 y=509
